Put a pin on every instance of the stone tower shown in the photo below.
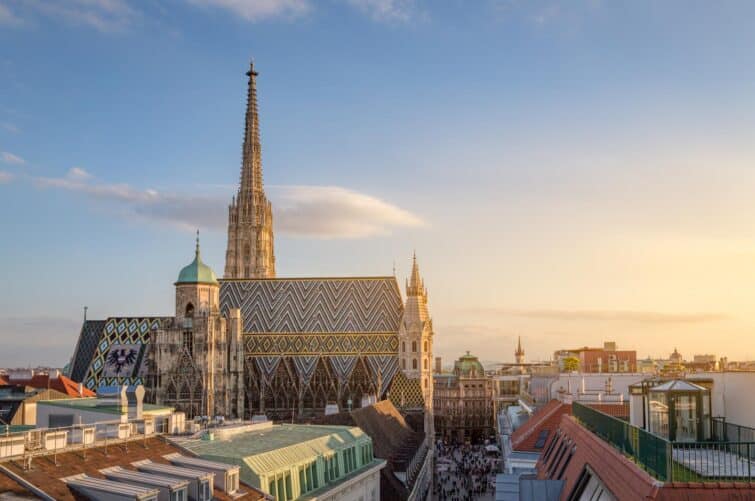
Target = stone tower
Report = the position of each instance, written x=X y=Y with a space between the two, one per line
x=250 y=216
x=416 y=341
x=197 y=362
x=519 y=353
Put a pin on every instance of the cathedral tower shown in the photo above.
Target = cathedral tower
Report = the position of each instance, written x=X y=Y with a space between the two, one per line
x=250 y=216
x=415 y=337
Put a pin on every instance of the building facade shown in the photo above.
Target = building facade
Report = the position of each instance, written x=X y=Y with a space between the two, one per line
x=251 y=343
x=463 y=402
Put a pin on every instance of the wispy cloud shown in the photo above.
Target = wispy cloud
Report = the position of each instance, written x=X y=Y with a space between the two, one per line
x=10 y=158
x=106 y=16
x=628 y=316
x=335 y=212
x=259 y=10
x=386 y=10
x=7 y=17
x=327 y=212
x=5 y=177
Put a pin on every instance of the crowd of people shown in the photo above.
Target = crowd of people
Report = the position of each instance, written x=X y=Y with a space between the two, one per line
x=463 y=472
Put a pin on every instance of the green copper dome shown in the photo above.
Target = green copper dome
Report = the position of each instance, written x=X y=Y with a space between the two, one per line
x=466 y=364
x=197 y=272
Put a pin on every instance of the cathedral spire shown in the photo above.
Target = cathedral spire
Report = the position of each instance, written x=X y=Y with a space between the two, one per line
x=250 y=252
x=251 y=158
x=415 y=285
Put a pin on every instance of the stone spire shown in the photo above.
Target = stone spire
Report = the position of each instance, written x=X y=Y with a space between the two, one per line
x=519 y=353
x=415 y=286
x=251 y=155
x=250 y=251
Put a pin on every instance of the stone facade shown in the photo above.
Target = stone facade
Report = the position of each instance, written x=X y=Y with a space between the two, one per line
x=196 y=362
x=250 y=251
x=463 y=401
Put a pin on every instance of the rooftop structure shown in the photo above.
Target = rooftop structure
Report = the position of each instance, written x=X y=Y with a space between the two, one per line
x=290 y=461
x=58 y=474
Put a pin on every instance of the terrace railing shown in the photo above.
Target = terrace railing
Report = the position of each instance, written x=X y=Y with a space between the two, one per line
x=651 y=452
x=711 y=461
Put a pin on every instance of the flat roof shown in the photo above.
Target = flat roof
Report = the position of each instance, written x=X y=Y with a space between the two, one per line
x=279 y=446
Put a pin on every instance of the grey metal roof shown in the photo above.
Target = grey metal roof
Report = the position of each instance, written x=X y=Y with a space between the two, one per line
x=678 y=385
x=170 y=470
x=199 y=463
x=110 y=486
x=532 y=489
x=119 y=473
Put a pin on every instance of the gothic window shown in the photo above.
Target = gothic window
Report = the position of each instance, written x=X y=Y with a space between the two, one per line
x=185 y=392
x=414 y=347
x=425 y=348
x=189 y=310
x=425 y=364
x=403 y=346
x=414 y=363
x=188 y=342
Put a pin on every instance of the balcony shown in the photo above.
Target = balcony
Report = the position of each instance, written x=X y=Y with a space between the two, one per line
x=729 y=456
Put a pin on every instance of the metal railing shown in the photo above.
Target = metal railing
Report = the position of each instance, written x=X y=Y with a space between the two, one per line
x=651 y=452
x=725 y=432
x=711 y=461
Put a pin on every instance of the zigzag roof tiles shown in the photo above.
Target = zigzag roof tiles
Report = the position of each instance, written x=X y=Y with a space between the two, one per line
x=322 y=305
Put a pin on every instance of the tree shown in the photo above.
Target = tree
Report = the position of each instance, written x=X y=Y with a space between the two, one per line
x=571 y=364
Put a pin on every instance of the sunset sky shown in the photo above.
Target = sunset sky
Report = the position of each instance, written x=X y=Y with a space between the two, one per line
x=568 y=172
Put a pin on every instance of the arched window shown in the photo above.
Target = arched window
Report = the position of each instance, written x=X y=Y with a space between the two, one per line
x=403 y=363
x=414 y=363
x=414 y=347
x=189 y=310
x=425 y=383
x=425 y=348
x=403 y=346
x=425 y=364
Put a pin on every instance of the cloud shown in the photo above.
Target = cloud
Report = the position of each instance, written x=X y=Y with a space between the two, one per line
x=10 y=158
x=8 y=18
x=335 y=212
x=641 y=317
x=327 y=212
x=259 y=10
x=385 y=10
x=5 y=177
x=106 y=16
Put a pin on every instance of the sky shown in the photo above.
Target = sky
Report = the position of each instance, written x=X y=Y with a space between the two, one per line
x=569 y=172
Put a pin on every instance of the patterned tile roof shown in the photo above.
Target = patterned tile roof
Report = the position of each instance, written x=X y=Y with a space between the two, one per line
x=91 y=332
x=321 y=305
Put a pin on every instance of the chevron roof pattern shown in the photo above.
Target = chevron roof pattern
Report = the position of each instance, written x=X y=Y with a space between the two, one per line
x=315 y=305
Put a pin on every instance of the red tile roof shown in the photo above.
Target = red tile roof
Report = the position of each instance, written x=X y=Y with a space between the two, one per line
x=621 y=476
x=41 y=381
x=547 y=418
